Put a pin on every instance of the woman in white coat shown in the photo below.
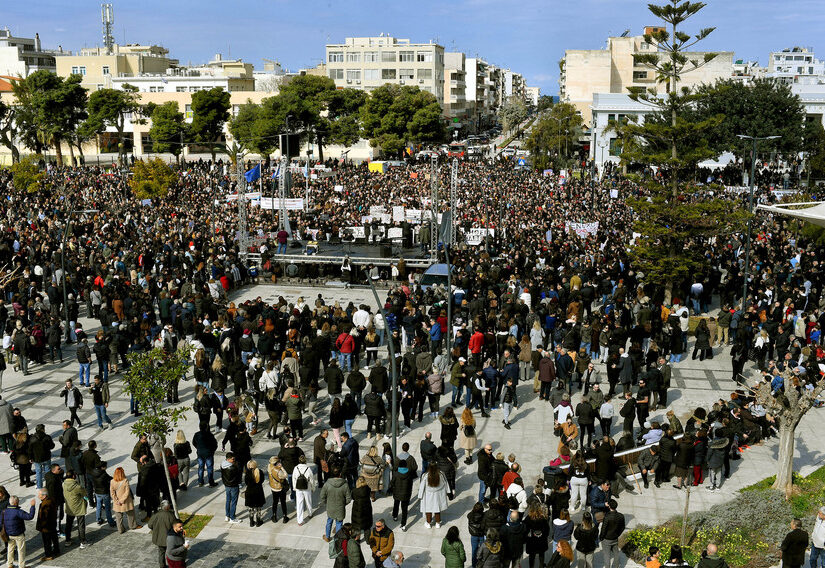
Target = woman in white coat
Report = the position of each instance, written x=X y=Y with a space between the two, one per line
x=432 y=492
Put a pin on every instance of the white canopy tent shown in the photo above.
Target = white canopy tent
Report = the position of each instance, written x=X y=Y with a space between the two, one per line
x=810 y=211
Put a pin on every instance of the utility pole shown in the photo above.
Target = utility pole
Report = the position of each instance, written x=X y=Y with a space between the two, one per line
x=282 y=194
x=243 y=230
x=434 y=208
x=453 y=203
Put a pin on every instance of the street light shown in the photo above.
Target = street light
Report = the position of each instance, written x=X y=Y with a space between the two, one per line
x=750 y=209
x=63 y=266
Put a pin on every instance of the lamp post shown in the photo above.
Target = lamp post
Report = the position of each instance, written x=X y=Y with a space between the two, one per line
x=309 y=157
x=755 y=139
x=391 y=348
x=63 y=265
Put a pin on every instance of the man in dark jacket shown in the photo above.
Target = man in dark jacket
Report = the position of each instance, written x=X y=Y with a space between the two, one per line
x=46 y=525
x=375 y=410
x=712 y=559
x=356 y=382
x=13 y=519
x=402 y=487
x=613 y=526
x=40 y=452
x=485 y=462
x=512 y=535
x=349 y=451
x=160 y=524
x=319 y=453
x=90 y=460
x=427 y=449
x=334 y=378
x=794 y=546
x=101 y=483
x=586 y=416
x=231 y=477
x=205 y=445
x=53 y=483
x=628 y=412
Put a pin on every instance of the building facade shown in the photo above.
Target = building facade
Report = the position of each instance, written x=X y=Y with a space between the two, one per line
x=21 y=56
x=455 y=89
x=585 y=72
x=367 y=63
x=97 y=67
x=796 y=66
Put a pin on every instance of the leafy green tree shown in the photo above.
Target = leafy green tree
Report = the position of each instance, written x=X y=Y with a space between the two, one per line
x=671 y=226
x=394 y=115
x=7 y=130
x=210 y=111
x=166 y=130
x=545 y=102
x=763 y=108
x=257 y=126
x=26 y=175
x=554 y=135
x=51 y=108
x=343 y=119
x=149 y=379
x=814 y=145
x=110 y=108
x=512 y=113
x=664 y=134
x=151 y=178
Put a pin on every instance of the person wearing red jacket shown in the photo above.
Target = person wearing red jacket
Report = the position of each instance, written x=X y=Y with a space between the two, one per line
x=475 y=346
x=345 y=344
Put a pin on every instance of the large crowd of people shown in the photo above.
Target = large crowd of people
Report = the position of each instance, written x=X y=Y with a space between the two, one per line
x=537 y=313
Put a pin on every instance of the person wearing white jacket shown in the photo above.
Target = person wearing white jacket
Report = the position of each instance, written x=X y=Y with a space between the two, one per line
x=303 y=497
x=818 y=540
x=516 y=490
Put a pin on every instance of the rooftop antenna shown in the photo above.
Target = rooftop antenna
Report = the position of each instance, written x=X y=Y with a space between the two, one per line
x=625 y=33
x=107 y=15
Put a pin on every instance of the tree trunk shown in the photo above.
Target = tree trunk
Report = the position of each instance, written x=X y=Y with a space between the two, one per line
x=58 y=152
x=71 y=154
x=320 y=142
x=169 y=483
x=784 y=463
x=668 y=292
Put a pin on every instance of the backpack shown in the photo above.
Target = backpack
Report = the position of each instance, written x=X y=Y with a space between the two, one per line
x=469 y=430
x=302 y=483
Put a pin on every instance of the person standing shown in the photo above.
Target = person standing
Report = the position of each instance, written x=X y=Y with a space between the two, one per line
x=513 y=536
x=612 y=527
x=818 y=538
x=402 y=485
x=278 y=485
x=303 y=494
x=537 y=527
x=75 y=504
x=587 y=540
x=73 y=400
x=177 y=546
x=794 y=546
x=336 y=496
x=381 y=541
x=160 y=524
x=40 y=451
x=231 y=478
x=468 y=439
x=123 y=501
x=84 y=360
x=432 y=492
x=254 y=497
x=100 y=399
x=46 y=525
x=711 y=559
x=509 y=401
x=13 y=519
x=452 y=549
x=182 y=450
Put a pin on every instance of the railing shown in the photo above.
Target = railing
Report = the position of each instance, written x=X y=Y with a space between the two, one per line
x=255 y=258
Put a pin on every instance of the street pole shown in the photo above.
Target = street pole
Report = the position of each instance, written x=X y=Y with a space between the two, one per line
x=449 y=302
x=746 y=270
x=391 y=348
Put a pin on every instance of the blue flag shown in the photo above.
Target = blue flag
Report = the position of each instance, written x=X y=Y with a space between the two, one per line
x=254 y=174
x=277 y=172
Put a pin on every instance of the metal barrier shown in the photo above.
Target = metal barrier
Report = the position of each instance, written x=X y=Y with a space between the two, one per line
x=255 y=258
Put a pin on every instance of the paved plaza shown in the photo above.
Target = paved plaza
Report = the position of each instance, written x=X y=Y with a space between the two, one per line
x=694 y=383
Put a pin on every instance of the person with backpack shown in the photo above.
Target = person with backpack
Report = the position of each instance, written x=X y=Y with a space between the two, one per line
x=345 y=549
x=73 y=400
x=303 y=483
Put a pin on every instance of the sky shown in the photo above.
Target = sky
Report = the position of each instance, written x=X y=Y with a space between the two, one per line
x=527 y=36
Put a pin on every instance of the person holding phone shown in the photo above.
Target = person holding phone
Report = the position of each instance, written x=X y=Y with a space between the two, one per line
x=177 y=545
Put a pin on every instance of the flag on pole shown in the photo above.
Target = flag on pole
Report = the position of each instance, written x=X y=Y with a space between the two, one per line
x=253 y=174
x=277 y=172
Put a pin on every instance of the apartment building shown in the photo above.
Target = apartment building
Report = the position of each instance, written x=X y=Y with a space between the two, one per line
x=22 y=56
x=585 y=72
x=455 y=87
x=97 y=67
x=369 y=62
x=480 y=92
x=796 y=66
x=532 y=95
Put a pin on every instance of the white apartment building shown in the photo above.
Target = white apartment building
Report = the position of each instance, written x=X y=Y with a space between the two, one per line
x=796 y=66
x=608 y=108
x=22 y=56
x=455 y=87
x=480 y=92
x=369 y=62
x=532 y=94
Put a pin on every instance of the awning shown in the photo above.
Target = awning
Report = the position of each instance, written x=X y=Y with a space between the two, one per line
x=810 y=211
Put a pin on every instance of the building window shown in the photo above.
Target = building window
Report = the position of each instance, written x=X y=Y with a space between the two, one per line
x=354 y=57
x=106 y=70
x=799 y=70
x=336 y=73
x=372 y=74
x=75 y=70
x=810 y=70
x=370 y=57
x=82 y=70
x=353 y=74
x=425 y=73
x=406 y=74
x=639 y=75
x=180 y=89
x=425 y=57
x=336 y=56
x=406 y=56
x=615 y=147
x=388 y=73
x=194 y=89
x=187 y=113
x=388 y=56
x=776 y=58
x=153 y=89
